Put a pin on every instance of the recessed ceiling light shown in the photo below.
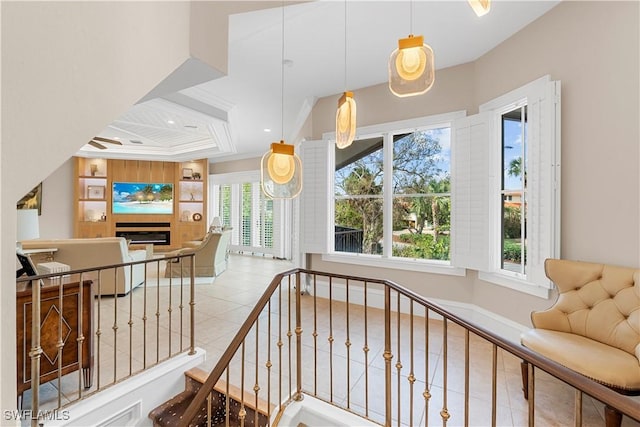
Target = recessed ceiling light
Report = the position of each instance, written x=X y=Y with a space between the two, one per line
x=135 y=141
x=267 y=130
x=116 y=137
x=170 y=122
x=191 y=126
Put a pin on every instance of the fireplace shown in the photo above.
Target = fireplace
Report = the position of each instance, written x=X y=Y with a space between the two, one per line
x=145 y=237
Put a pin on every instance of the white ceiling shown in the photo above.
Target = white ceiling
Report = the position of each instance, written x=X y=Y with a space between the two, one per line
x=225 y=118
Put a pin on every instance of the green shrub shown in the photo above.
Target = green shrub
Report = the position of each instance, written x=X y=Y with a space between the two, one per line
x=423 y=246
x=511 y=251
x=511 y=225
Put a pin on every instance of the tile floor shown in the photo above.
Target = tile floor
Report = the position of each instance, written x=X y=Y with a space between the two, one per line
x=223 y=306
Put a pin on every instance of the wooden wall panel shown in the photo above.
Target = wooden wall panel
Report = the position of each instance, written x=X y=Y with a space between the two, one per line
x=144 y=170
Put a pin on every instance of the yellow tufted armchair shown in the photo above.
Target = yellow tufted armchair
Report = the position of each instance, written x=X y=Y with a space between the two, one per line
x=594 y=326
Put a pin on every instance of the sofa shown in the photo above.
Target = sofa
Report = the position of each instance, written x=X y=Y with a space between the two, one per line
x=594 y=326
x=97 y=252
x=211 y=255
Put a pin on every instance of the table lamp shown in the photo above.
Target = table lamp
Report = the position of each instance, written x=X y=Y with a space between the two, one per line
x=27 y=226
x=216 y=224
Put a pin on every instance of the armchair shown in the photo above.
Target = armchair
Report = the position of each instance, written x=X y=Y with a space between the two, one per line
x=594 y=326
x=211 y=257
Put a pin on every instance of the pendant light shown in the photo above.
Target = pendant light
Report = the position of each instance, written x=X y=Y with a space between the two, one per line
x=346 y=114
x=411 y=66
x=281 y=168
x=480 y=7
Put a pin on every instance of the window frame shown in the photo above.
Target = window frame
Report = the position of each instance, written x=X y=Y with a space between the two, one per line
x=531 y=282
x=387 y=131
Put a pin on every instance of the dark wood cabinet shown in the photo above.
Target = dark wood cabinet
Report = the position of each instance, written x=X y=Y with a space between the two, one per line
x=58 y=322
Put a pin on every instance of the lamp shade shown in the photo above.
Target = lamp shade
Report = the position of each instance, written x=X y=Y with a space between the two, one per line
x=411 y=67
x=281 y=172
x=480 y=7
x=27 y=225
x=346 y=120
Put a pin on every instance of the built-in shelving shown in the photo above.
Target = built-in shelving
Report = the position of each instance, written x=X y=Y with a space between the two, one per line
x=192 y=198
x=93 y=197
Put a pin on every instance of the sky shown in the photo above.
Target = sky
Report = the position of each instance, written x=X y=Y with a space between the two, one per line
x=512 y=150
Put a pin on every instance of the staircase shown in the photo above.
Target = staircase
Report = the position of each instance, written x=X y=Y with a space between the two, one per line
x=213 y=408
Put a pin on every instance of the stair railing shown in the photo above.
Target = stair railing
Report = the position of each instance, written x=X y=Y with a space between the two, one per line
x=80 y=291
x=414 y=332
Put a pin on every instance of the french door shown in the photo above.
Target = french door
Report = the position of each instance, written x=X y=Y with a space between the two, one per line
x=257 y=221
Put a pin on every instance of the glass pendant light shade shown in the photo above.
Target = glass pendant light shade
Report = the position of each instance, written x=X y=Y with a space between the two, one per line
x=411 y=67
x=345 y=120
x=480 y=7
x=281 y=172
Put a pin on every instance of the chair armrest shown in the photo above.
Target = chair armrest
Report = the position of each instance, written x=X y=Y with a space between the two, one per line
x=178 y=252
x=192 y=244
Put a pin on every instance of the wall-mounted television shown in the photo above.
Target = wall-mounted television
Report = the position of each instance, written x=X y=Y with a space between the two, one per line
x=142 y=198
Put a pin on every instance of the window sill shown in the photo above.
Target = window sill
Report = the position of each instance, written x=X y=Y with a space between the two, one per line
x=436 y=267
x=515 y=284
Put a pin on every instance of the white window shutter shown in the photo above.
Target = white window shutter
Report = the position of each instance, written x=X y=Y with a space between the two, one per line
x=314 y=200
x=470 y=192
x=543 y=181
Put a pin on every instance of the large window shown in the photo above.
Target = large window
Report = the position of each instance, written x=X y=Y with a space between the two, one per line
x=445 y=193
x=406 y=215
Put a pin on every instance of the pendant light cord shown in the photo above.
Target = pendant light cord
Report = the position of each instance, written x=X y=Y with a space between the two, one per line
x=282 y=77
x=411 y=17
x=345 y=45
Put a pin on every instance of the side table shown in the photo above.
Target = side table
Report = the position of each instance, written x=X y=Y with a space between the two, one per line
x=75 y=316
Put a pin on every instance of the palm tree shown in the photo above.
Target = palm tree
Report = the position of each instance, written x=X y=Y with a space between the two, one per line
x=515 y=167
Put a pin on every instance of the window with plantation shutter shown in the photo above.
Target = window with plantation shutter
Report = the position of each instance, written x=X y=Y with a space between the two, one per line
x=470 y=192
x=504 y=192
x=314 y=199
x=225 y=205
x=266 y=221
x=523 y=177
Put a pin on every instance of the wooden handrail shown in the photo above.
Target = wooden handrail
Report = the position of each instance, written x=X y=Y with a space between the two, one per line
x=622 y=403
x=36 y=283
x=102 y=267
x=226 y=357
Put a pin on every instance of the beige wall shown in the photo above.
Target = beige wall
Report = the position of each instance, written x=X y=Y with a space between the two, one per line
x=69 y=69
x=56 y=220
x=593 y=48
x=452 y=91
x=230 y=166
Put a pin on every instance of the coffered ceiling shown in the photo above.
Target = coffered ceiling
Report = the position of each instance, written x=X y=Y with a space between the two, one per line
x=240 y=114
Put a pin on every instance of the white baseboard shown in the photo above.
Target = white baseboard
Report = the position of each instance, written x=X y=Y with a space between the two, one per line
x=128 y=403
x=499 y=325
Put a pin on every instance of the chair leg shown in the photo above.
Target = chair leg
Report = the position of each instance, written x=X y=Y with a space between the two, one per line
x=612 y=418
x=524 y=368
